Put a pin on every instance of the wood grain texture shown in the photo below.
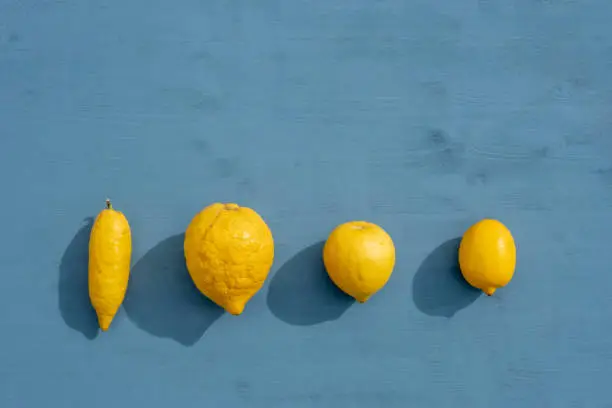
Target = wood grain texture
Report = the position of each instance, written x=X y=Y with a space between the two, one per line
x=420 y=116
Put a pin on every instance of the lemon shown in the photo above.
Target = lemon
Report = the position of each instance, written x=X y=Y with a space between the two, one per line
x=110 y=251
x=359 y=257
x=487 y=255
x=229 y=251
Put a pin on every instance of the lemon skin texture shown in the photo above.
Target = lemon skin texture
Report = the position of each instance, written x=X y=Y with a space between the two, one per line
x=359 y=257
x=487 y=255
x=229 y=251
x=110 y=251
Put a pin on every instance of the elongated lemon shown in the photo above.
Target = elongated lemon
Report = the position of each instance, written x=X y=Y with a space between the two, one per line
x=110 y=251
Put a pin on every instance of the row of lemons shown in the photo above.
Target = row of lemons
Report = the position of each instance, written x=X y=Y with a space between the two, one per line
x=229 y=251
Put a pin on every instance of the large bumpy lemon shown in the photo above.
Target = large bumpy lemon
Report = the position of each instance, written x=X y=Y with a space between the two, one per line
x=110 y=251
x=487 y=255
x=359 y=257
x=229 y=251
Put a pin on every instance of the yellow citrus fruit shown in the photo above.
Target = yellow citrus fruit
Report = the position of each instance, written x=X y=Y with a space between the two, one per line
x=487 y=255
x=110 y=251
x=359 y=258
x=229 y=251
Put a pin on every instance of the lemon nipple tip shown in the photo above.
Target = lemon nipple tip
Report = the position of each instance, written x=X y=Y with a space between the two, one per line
x=105 y=322
x=489 y=291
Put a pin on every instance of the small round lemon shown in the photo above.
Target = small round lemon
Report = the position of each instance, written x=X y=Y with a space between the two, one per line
x=487 y=255
x=229 y=251
x=359 y=257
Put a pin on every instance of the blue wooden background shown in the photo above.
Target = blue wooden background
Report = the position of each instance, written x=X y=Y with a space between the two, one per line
x=421 y=116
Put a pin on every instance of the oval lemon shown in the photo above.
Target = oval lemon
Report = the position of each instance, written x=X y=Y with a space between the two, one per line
x=487 y=255
x=110 y=251
x=229 y=251
x=359 y=257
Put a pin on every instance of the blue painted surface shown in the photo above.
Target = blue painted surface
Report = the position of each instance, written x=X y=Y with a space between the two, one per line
x=420 y=116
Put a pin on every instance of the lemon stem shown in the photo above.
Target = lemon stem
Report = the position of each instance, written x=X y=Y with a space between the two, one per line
x=109 y=206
